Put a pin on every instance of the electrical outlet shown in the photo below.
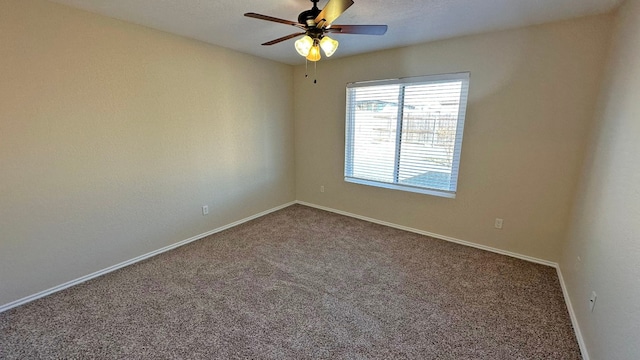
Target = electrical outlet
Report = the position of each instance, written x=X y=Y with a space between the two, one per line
x=592 y=300
x=322 y=188
x=498 y=223
x=205 y=210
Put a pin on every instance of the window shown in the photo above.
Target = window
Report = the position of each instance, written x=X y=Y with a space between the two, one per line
x=406 y=134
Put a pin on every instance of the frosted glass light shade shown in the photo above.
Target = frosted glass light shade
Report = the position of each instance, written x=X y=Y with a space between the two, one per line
x=328 y=45
x=314 y=53
x=304 y=45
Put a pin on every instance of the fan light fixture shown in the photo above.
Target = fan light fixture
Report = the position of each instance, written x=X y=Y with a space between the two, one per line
x=314 y=53
x=310 y=48
x=304 y=45
x=328 y=45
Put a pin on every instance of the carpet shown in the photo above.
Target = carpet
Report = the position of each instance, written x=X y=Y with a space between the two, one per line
x=302 y=283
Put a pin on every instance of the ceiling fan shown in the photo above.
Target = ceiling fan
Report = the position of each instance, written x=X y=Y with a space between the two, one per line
x=315 y=24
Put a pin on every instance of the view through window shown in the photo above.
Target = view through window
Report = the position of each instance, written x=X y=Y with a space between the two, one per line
x=406 y=134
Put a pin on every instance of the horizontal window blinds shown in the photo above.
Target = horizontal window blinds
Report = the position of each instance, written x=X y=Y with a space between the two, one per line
x=406 y=133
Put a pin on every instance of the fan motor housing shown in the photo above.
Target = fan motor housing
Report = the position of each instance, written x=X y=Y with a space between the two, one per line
x=308 y=17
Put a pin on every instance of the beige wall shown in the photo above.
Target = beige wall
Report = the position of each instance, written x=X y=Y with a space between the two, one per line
x=605 y=229
x=531 y=102
x=112 y=137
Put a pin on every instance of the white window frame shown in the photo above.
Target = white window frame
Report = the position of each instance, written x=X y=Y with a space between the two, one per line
x=462 y=77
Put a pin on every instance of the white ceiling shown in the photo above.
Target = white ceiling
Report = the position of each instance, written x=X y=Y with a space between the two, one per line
x=221 y=22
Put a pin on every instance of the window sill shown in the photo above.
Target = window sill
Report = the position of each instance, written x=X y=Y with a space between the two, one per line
x=433 y=192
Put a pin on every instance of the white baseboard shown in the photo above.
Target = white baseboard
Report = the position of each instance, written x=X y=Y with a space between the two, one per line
x=82 y=279
x=88 y=277
x=433 y=235
x=567 y=299
x=572 y=315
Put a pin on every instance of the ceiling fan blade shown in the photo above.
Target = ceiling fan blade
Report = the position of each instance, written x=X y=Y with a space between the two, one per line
x=331 y=12
x=273 y=19
x=358 y=29
x=284 y=38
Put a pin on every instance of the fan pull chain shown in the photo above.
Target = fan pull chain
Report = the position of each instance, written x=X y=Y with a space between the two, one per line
x=306 y=68
x=315 y=70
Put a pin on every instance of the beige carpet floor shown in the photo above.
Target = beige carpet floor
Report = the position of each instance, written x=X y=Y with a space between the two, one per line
x=302 y=283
